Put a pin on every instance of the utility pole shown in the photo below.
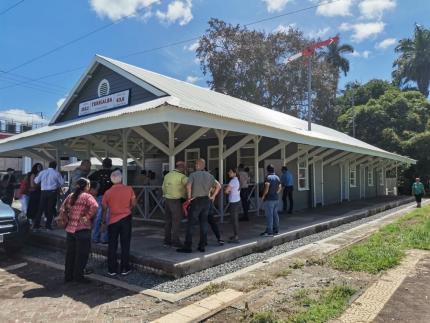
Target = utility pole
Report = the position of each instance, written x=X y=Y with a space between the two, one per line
x=310 y=92
x=353 y=113
x=309 y=53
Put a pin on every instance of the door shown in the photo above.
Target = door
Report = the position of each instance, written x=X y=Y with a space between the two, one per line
x=317 y=178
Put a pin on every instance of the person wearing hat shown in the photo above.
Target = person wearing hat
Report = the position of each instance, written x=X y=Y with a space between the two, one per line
x=174 y=192
x=102 y=176
x=272 y=187
x=9 y=184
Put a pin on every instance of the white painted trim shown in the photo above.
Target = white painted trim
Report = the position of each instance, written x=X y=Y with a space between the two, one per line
x=306 y=188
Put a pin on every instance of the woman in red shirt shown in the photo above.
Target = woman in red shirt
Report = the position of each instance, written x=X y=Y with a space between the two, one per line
x=80 y=207
x=120 y=201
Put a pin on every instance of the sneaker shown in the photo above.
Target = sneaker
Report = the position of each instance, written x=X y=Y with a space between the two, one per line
x=125 y=272
x=112 y=274
x=265 y=234
x=201 y=249
x=221 y=242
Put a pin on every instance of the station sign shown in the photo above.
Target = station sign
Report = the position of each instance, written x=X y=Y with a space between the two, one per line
x=107 y=102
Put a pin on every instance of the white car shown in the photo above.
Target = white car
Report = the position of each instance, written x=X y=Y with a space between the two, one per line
x=14 y=228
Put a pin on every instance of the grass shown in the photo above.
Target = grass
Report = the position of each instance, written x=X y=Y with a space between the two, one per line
x=283 y=273
x=386 y=248
x=214 y=288
x=330 y=304
x=297 y=264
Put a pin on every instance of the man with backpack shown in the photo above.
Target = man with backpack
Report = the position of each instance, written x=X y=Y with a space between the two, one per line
x=102 y=176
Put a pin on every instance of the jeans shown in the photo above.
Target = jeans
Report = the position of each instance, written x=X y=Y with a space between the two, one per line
x=287 y=192
x=245 y=202
x=78 y=246
x=96 y=235
x=198 y=214
x=24 y=203
x=234 y=216
x=272 y=217
x=173 y=221
x=47 y=206
x=121 y=231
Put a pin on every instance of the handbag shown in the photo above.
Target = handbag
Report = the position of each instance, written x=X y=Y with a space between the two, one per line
x=63 y=218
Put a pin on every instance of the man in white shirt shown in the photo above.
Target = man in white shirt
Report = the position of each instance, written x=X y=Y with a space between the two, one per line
x=50 y=181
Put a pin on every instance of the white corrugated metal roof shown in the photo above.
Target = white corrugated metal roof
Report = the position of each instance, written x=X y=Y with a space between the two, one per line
x=191 y=97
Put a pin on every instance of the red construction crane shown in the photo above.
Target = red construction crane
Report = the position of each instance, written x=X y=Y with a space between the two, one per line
x=309 y=52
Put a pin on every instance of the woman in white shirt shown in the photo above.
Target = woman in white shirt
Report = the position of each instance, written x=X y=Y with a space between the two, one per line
x=233 y=191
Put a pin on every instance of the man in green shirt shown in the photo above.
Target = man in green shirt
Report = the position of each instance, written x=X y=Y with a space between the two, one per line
x=174 y=192
x=418 y=191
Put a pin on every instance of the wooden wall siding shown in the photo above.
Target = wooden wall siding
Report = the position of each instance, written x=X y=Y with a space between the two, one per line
x=117 y=83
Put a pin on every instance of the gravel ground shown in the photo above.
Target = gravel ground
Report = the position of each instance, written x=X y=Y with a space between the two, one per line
x=168 y=285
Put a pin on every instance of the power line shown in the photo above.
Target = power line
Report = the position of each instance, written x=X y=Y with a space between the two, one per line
x=145 y=51
x=75 y=40
x=11 y=7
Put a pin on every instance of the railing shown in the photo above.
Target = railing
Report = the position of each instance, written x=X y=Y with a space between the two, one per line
x=150 y=201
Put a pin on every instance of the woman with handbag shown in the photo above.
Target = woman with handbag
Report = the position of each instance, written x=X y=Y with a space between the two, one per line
x=75 y=216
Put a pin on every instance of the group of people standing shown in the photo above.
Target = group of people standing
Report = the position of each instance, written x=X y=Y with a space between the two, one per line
x=99 y=208
x=196 y=194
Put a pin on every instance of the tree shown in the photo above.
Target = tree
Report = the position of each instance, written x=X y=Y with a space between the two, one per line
x=334 y=56
x=250 y=65
x=413 y=62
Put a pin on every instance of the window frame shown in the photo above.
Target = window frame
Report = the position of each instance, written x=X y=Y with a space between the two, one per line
x=370 y=171
x=303 y=158
x=191 y=150
x=382 y=177
x=353 y=169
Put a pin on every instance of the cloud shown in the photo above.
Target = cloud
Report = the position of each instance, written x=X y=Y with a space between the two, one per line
x=386 y=43
x=335 y=8
x=363 y=54
x=192 y=79
x=284 y=28
x=60 y=102
x=374 y=9
x=320 y=33
x=362 y=31
x=177 y=11
x=20 y=116
x=117 y=9
x=276 y=5
x=192 y=47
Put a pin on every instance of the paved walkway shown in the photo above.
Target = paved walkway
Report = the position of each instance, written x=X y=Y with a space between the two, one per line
x=411 y=301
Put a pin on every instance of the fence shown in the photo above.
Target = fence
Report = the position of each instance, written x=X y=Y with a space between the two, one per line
x=150 y=201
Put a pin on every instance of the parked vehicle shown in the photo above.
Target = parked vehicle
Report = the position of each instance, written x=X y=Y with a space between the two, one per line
x=14 y=229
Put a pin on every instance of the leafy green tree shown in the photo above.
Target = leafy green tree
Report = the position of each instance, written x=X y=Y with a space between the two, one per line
x=250 y=65
x=413 y=62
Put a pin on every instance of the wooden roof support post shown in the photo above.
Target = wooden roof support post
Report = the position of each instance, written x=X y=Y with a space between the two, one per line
x=171 y=132
x=221 y=134
x=256 y=172
x=125 y=133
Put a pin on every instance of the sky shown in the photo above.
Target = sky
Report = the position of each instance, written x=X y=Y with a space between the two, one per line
x=59 y=38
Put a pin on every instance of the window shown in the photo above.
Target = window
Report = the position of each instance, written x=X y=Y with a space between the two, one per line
x=245 y=156
x=303 y=173
x=353 y=175
x=191 y=156
x=381 y=177
x=370 y=177
x=213 y=158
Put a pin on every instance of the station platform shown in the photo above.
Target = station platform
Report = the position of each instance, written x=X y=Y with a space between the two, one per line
x=149 y=253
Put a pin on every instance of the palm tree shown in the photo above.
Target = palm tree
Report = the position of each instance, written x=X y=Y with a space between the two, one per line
x=334 y=56
x=413 y=62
